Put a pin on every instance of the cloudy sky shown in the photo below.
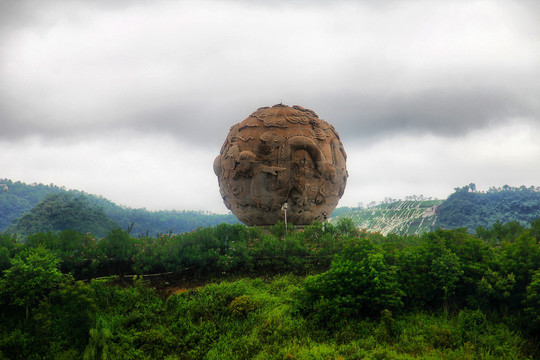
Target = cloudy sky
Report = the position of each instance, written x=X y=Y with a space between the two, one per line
x=132 y=100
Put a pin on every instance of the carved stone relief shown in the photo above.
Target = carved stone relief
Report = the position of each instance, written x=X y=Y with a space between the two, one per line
x=281 y=155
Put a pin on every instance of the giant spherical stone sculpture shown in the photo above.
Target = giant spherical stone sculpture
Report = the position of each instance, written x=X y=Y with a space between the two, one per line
x=279 y=158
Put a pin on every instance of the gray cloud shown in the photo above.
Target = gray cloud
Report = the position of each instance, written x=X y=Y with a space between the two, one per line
x=200 y=87
x=363 y=117
x=110 y=96
x=442 y=112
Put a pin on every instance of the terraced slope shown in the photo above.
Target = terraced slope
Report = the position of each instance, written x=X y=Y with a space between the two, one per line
x=400 y=217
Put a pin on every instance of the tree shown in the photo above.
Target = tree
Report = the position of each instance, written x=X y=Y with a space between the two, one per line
x=98 y=344
x=8 y=247
x=520 y=258
x=31 y=277
x=430 y=273
x=118 y=249
x=532 y=301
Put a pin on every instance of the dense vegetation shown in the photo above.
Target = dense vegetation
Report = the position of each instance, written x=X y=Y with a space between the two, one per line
x=63 y=211
x=21 y=199
x=233 y=292
x=469 y=208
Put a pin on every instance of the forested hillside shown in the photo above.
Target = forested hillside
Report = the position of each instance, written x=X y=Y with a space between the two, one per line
x=465 y=208
x=144 y=222
x=63 y=211
x=22 y=198
x=471 y=209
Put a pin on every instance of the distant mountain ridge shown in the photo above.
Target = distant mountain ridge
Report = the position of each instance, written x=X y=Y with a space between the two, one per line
x=22 y=198
x=21 y=211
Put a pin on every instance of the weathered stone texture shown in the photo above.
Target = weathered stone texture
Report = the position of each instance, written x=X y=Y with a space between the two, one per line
x=281 y=155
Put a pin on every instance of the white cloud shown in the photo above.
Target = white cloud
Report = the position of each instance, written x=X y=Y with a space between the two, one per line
x=434 y=166
x=157 y=173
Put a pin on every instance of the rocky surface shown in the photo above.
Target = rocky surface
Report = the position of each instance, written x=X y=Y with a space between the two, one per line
x=281 y=161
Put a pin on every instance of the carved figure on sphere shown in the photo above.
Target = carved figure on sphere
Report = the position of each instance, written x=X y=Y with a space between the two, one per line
x=281 y=155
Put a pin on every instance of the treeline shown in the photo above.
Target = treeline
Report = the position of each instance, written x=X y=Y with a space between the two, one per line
x=26 y=209
x=443 y=294
x=225 y=248
x=471 y=209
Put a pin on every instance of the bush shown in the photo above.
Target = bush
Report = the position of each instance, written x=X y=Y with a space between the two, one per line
x=358 y=284
x=242 y=305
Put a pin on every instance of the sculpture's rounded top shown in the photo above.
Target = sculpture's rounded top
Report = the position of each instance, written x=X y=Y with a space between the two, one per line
x=278 y=156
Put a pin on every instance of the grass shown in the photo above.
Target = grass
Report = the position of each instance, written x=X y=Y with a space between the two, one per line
x=258 y=319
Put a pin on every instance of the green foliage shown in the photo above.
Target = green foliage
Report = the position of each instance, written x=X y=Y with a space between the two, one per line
x=63 y=211
x=242 y=305
x=446 y=294
x=430 y=273
x=32 y=276
x=494 y=289
x=118 y=249
x=521 y=259
x=8 y=248
x=471 y=324
x=99 y=342
x=359 y=283
x=466 y=208
x=19 y=208
x=21 y=198
x=532 y=302
x=471 y=209
x=63 y=320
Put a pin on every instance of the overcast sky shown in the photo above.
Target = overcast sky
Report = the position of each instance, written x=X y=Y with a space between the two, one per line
x=132 y=100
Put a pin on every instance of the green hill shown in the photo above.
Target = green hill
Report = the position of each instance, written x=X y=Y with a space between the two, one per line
x=466 y=208
x=21 y=198
x=62 y=211
x=400 y=217
x=470 y=209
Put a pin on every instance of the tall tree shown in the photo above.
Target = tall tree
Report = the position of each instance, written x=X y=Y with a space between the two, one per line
x=32 y=276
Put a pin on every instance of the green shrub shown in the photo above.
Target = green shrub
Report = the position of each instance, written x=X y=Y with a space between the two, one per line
x=471 y=324
x=359 y=284
x=242 y=305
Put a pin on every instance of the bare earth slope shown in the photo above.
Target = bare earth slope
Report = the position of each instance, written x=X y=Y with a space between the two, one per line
x=400 y=217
